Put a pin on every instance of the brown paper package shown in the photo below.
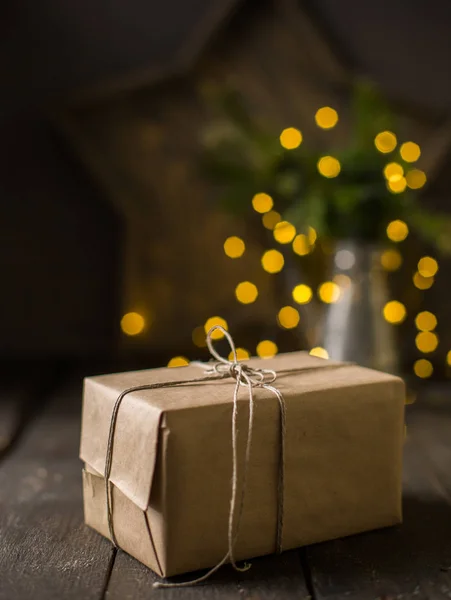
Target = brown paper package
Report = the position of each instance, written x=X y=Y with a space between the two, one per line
x=172 y=460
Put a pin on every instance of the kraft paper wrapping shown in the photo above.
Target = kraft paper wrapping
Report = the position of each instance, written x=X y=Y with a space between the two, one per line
x=172 y=461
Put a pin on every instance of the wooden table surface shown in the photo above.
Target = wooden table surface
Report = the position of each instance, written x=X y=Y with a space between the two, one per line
x=46 y=552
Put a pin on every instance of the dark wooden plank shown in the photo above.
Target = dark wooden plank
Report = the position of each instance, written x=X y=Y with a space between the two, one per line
x=410 y=561
x=45 y=549
x=270 y=578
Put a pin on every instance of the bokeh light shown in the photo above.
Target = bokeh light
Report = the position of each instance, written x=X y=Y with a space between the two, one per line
x=343 y=281
x=393 y=172
x=319 y=352
x=290 y=138
x=246 y=292
x=312 y=235
x=288 y=317
x=211 y=322
x=448 y=357
x=397 y=231
x=345 y=259
x=262 y=203
x=426 y=341
x=416 y=179
x=385 y=141
x=394 y=312
x=178 y=361
x=329 y=292
x=397 y=186
x=426 y=321
x=284 y=232
x=234 y=247
x=427 y=266
x=391 y=260
x=266 y=349
x=132 y=323
x=270 y=219
x=302 y=294
x=410 y=152
x=326 y=117
x=272 y=261
x=329 y=166
x=423 y=368
x=301 y=245
x=422 y=283
x=241 y=354
x=198 y=337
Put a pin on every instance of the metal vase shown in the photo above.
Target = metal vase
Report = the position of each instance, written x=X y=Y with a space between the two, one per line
x=354 y=328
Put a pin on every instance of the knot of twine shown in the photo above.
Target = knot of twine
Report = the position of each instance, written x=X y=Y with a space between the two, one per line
x=244 y=376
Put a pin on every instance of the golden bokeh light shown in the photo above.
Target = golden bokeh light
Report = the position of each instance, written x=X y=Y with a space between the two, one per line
x=288 y=317
x=391 y=260
x=178 y=361
x=284 y=232
x=132 y=323
x=394 y=312
x=427 y=266
x=262 y=203
x=302 y=294
x=344 y=281
x=422 y=283
x=290 y=138
x=198 y=337
x=398 y=186
x=301 y=245
x=426 y=341
x=393 y=172
x=241 y=354
x=211 y=322
x=416 y=179
x=234 y=247
x=410 y=152
x=423 y=368
x=312 y=235
x=326 y=117
x=329 y=166
x=270 y=219
x=319 y=352
x=448 y=358
x=385 y=141
x=266 y=349
x=246 y=292
x=329 y=292
x=397 y=231
x=426 y=321
x=272 y=261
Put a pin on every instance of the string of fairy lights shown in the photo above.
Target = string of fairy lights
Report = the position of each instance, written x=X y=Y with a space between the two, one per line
x=303 y=244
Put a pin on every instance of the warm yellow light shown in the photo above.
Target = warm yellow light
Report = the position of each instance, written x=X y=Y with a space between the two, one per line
x=393 y=172
x=266 y=349
x=241 y=354
x=270 y=219
x=398 y=186
x=394 y=312
x=288 y=317
x=290 y=138
x=211 y=322
x=132 y=323
x=329 y=292
x=343 y=281
x=416 y=179
x=246 y=292
x=301 y=245
x=326 y=117
x=410 y=152
x=448 y=358
x=302 y=294
x=272 y=261
x=427 y=266
x=198 y=337
x=329 y=166
x=178 y=361
x=391 y=260
x=284 y=232
x=422 y=283
x=262 y=203
x=385 y=141
x=423 y=368
x=426 y=321
x=397 y=231
x=312 y=235
x=319 y=352
x=426 y=341
x=234 y=247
